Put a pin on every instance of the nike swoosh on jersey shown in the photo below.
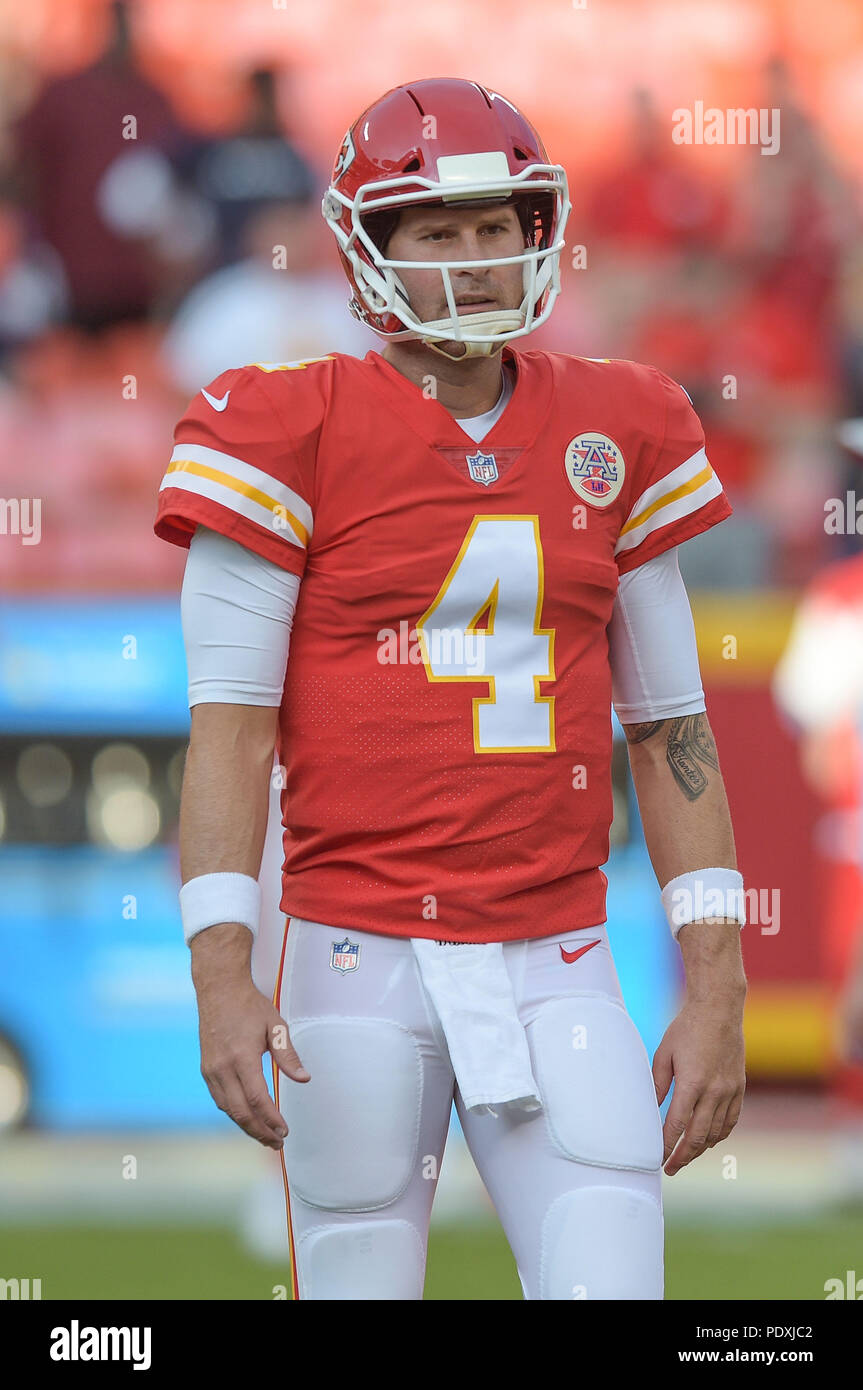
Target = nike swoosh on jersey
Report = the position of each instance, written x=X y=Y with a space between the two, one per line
x=217 y=405
x=570 y=956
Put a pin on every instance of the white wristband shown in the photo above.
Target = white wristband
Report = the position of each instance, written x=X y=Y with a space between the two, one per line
x=704 y=893
x=210 y=899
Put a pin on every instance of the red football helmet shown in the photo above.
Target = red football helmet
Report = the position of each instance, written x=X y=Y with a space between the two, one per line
x=440 y=141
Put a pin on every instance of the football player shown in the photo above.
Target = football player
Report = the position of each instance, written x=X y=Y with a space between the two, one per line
x=426 y=576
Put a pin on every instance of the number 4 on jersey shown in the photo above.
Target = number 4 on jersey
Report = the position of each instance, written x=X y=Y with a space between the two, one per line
x=497 y=576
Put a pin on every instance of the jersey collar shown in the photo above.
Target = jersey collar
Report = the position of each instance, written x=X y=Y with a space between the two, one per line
x=516 y=429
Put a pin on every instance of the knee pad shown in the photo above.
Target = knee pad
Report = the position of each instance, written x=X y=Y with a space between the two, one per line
x=596 y=1083
x=602 y=1242
x=361 y=1260
x=353 y=1130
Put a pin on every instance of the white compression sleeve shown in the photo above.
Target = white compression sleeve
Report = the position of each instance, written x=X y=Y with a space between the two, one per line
x=237 y=611
x=654 y=658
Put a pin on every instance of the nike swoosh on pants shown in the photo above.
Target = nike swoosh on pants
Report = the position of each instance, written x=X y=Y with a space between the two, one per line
x=570 y=956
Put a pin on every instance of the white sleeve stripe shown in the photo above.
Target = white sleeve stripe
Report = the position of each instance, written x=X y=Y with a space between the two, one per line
x=237 y=502
x=253 y=479
x=672 y=511
x=683 y=473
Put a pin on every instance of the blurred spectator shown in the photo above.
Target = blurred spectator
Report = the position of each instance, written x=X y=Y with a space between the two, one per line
x=269 y=307
x=96 y=195
x=32 y=284
x=789 y=224
x=850 y=431
x=649 y=201
x=255 y=166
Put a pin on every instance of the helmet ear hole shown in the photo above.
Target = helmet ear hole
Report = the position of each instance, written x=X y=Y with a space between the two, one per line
x=536 y=215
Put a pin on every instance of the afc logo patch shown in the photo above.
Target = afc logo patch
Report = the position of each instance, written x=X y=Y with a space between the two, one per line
x=595 y=468
x=345 y=956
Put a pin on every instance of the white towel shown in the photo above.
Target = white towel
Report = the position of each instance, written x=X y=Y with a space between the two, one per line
x=470 y=988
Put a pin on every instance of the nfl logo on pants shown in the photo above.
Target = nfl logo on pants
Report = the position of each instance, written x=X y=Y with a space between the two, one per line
x=345 y=955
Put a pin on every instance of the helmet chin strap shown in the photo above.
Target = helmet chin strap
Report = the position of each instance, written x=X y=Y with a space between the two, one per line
x=491 y=322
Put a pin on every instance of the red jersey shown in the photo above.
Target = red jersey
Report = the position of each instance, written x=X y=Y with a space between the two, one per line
x=446 y=721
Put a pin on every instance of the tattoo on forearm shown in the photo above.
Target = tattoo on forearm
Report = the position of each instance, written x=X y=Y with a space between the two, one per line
x=690 y=744
x=689 y=749
x=637 y=733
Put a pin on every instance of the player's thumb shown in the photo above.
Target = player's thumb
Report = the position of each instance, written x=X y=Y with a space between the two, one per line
x=282 y=1050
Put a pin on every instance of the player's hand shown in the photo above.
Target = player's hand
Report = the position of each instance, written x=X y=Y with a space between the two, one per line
x=702 y=1051
x=237 y=1025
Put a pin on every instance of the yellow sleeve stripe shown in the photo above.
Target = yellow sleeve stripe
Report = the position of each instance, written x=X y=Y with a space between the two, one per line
x=683 y=491
x=297 y=366
x=242 y=488
x=203 y=470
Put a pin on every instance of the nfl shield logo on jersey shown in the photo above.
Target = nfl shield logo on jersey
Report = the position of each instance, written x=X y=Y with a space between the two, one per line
x=483 y=467
x=345 y=955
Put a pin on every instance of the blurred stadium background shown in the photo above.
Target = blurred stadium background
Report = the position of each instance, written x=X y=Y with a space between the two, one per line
x=132 y=270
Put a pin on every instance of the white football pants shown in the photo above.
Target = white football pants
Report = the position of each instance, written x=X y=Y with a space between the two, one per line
x=576 y=1185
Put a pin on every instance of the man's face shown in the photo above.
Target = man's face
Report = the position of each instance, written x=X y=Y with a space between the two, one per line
x=459 y=234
